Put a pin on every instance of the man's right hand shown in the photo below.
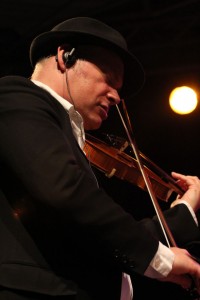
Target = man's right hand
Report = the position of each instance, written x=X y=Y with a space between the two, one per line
x=185 y=270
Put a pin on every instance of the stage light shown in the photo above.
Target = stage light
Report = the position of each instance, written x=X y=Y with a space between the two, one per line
x=183 y=100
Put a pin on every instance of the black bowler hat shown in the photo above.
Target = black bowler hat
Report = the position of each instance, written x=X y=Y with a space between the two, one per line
x=84 y=30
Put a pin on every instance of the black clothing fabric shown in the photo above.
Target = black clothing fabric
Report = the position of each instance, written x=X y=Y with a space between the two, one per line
x=60 y=234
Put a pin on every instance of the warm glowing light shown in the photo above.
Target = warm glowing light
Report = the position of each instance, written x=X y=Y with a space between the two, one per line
x=183 y=100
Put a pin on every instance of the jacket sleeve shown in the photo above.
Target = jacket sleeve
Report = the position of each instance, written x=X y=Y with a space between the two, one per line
x=182 y=225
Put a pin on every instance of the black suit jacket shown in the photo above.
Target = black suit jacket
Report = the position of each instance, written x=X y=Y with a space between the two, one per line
x=60 y=232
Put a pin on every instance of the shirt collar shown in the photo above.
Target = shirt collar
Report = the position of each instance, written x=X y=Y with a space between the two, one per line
x=75 y=118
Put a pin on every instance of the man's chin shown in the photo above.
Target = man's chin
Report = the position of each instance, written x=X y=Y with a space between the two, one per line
x=93 y=124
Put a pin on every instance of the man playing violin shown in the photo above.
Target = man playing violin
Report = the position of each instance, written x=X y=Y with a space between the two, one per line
x=63 y=237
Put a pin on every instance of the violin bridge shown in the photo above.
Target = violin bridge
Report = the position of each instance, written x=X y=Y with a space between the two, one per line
x=124 y=146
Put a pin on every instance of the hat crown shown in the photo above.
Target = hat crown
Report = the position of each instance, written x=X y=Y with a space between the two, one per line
x=92 y=27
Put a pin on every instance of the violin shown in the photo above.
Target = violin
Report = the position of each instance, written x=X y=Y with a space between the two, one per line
x=112 y=160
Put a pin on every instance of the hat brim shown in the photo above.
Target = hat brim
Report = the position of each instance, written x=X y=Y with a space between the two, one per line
x=47 y=43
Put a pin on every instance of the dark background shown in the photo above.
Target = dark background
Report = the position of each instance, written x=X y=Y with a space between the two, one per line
x=164 y=35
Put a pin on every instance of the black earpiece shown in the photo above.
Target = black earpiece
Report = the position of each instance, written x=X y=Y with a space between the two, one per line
x=69 y=58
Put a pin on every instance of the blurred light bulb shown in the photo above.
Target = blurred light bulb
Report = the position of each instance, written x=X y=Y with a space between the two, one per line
x=183 y=100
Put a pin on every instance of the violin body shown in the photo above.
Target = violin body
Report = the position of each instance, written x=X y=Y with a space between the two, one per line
x=115 y=162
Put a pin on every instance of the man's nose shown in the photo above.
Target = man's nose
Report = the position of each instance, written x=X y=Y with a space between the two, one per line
x=114 y=97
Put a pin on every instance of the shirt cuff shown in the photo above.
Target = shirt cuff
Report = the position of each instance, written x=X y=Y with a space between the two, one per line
x=161 y=264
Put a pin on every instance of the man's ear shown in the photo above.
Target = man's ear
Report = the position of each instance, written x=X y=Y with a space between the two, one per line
x=59 y=59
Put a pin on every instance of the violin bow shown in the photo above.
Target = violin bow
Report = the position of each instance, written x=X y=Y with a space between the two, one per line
x=164 y=226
